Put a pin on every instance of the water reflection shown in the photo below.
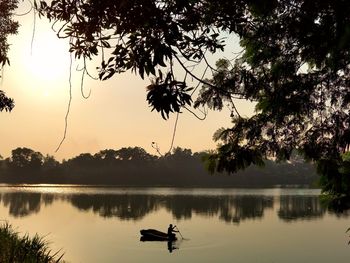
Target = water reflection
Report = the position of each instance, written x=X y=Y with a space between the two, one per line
x=300 y=207
x=245 y=207
x=228 y=208
x=171 y=246
x=125 y=207
x=339 y=206
x=22 y=204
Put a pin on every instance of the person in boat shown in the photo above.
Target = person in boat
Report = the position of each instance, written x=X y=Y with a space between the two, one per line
x=171 y=231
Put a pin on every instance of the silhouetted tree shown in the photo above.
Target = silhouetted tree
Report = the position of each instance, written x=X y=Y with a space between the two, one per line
x=1 y=162
x=7 y=27
x=179 y=153
x=50 y=162
x=51 y=166
x=26 y=158
x=84 y=160
x=108 y=155
x=294 y=65
x=133 y=166
x=133 y=154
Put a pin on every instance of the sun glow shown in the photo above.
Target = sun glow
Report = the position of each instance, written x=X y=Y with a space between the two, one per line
x=42 y=64
x=49 y=59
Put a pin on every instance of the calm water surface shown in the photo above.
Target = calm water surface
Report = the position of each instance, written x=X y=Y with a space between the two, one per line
x=219 y=225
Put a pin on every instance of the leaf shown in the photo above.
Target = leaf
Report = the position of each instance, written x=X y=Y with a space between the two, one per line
x=141 y=71
x=105 y=44
x=109 y=75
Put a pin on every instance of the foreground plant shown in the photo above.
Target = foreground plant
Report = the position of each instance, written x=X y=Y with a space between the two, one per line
x=24 y=249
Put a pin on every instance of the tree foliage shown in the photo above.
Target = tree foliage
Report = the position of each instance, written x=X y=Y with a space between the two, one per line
x=295 y=66
x=144 y=36
x=6 y=103
x=25 y=158
x=133 y=166
x=7 y=27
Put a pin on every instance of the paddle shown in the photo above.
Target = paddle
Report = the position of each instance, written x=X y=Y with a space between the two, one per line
x=181 y=234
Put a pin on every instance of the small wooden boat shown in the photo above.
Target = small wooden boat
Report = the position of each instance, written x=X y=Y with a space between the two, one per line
x=156 y=235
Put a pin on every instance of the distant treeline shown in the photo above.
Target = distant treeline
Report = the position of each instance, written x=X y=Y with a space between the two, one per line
x=133 y=166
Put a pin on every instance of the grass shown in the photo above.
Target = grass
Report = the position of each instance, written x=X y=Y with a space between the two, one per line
x=17 y=249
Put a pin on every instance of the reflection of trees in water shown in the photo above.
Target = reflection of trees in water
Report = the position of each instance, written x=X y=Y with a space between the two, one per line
x=135 y=207
x=22 y=204
x=182 y=206
x=339 y=206
x=300 y=207
x=228 y=208
x=121 y=206
x=240 y=208
x=47 y=199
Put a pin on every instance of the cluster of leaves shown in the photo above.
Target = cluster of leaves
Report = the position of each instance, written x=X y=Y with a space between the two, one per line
x=7 y=27
x=6 y=103
x=168 y=95
x=142 y=36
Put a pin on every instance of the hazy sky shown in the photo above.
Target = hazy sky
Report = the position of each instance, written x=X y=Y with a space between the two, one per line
x=115 y=115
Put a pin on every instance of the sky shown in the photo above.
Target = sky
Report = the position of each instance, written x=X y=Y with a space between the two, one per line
x=115 y=115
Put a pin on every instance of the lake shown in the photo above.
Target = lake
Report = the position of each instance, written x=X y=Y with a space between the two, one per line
x=96 y=224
